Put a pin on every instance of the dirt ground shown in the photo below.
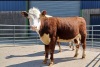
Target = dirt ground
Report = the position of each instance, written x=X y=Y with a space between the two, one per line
x=33 y=55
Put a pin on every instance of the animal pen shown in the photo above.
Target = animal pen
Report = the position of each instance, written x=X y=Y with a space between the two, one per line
x=21 y=47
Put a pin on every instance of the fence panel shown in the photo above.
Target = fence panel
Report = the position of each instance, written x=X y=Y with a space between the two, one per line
x=93 y=35
x=18 y=34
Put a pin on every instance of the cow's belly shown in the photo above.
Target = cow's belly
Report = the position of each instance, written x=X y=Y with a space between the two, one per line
x=45 y=39
x=63 y=40
x=68 y=40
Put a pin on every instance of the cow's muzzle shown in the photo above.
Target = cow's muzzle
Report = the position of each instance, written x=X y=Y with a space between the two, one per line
x=34 y=28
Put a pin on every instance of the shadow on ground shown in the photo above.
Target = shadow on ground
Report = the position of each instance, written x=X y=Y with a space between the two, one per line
x=34 y=54
x=28 y=55
x=38 y=63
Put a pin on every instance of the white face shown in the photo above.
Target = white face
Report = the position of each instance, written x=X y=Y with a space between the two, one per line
x=34 y=21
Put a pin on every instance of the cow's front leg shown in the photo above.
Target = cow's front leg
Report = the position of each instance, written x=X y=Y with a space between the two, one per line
x=52 y=48
x=46 y=54
x=52 y=56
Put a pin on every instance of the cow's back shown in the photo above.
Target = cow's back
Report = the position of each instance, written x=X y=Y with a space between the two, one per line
x=67 y=28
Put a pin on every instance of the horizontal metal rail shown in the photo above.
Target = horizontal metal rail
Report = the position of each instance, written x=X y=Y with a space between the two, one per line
x=22 y=34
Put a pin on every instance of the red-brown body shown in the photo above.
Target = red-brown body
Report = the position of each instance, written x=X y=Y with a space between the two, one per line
x=66 y=28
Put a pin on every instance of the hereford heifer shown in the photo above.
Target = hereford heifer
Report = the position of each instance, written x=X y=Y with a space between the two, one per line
x=58 y=29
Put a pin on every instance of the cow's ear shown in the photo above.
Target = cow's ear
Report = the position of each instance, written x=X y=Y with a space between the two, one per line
x=25 y=14
x=44 y=12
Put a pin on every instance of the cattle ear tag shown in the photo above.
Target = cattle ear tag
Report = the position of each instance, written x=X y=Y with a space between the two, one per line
x=44 y=12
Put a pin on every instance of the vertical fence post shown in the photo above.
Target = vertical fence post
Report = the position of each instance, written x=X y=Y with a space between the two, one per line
x=14 y=36
x=92 y=36
x=36 y=39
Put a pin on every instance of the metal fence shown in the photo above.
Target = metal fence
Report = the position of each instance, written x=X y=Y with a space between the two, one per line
x=18 y=34
x=93 y=36
x=21 y=34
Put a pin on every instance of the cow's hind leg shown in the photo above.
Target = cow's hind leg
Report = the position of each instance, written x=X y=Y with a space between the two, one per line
x=70 y=44
x=77 y=42
x=83 y=40
x=46 y=54
x=76 y=52
x=59 y=46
